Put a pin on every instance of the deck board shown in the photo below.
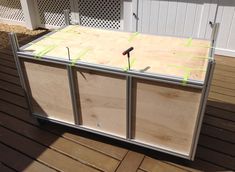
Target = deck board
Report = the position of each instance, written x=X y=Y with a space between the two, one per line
x=71 y=149
x=132 y=158
x=18 y=161
x=43 y=148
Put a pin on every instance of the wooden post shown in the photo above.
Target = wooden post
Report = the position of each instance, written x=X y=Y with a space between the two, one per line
x=30 y=15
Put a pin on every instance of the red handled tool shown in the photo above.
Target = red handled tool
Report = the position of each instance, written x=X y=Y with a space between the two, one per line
x=128 y=56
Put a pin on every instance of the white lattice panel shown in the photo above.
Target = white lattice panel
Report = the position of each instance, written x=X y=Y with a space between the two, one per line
x=11 y=10
x=51 y=12
x=100 y=13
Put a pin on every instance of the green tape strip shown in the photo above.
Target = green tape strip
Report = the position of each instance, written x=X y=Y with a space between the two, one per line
x=186 y=55
x=186 y=77
x=126 y=68
x=187 y=73
x=189 y=42
x=44 y=51
x=80 y=56
x=187 y=68
x=201 y=57
x=133 y=36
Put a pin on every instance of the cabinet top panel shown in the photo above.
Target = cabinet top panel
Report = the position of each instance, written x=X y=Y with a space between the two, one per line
x=172 y=56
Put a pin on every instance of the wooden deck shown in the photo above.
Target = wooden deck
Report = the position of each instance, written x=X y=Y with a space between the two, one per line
x=27 y=146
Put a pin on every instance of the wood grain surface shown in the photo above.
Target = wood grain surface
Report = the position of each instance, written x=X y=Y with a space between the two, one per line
x=152 y=54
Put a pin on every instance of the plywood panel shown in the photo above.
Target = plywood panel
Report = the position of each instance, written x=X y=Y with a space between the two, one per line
x=102 y=101
x=158 y=54
x=50 y=91
x=165 y=115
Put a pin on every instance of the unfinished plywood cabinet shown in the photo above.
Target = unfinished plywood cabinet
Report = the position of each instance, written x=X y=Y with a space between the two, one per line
x=77 y=76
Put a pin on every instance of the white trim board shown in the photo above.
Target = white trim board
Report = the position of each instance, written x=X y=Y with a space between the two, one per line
x=225 y=52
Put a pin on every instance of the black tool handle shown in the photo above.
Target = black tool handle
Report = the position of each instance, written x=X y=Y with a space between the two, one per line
x=128 y=51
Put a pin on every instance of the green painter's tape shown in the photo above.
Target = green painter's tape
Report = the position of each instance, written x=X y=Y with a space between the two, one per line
x=132 y=37
x=44 y=51
x=126 y=68
x=201 y=57
x=80 y=56
x=186 y=77
x=189 y=42
x=187 y=73
x=186 y=55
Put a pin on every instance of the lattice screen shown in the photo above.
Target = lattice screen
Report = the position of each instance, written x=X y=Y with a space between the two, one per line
x=51 y=12
x=100 y=13
x=11 y=9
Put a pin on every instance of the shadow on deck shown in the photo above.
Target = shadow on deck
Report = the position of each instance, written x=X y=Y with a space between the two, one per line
x=27 y=146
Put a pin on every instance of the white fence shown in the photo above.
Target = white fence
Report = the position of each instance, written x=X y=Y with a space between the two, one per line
x=190 y=18
x=11 y=11
x=184 y=18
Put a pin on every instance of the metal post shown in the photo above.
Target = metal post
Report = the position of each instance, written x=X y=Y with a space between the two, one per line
x=206 y=88
x=77 y=117
x=67 y=17
x=214 y=35
x=129 y=107
x=202 y=107
x=15 y=48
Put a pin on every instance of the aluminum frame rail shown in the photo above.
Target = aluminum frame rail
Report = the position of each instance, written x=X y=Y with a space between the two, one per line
x=130 y=74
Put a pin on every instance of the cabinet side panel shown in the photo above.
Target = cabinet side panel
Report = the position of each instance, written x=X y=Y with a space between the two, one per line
x=165 y=115
x=49 y=88
x=102 y=101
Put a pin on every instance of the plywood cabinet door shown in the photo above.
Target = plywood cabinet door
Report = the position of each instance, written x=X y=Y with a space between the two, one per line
x=49 y=88
x=102 y=101
x=164 y=115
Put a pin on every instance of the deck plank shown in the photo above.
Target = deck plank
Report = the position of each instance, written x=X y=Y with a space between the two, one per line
x=228 y=61
x=37 y=151
x=21 y=162
x=10 y=79
x=75 y=136
x=13 y=98
x=224 y=91
x=131 y=162
x=224 y=73
x=11 y=88
x=220 y=113
x=60 y=144
x=7 y=63
x=222 y=97
x=216 y=158
x=218 y=133
x=5 y=168
x=154 y=165
x=8 y=70
x=217 y=145
x=220 y=123
x=108 y=149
